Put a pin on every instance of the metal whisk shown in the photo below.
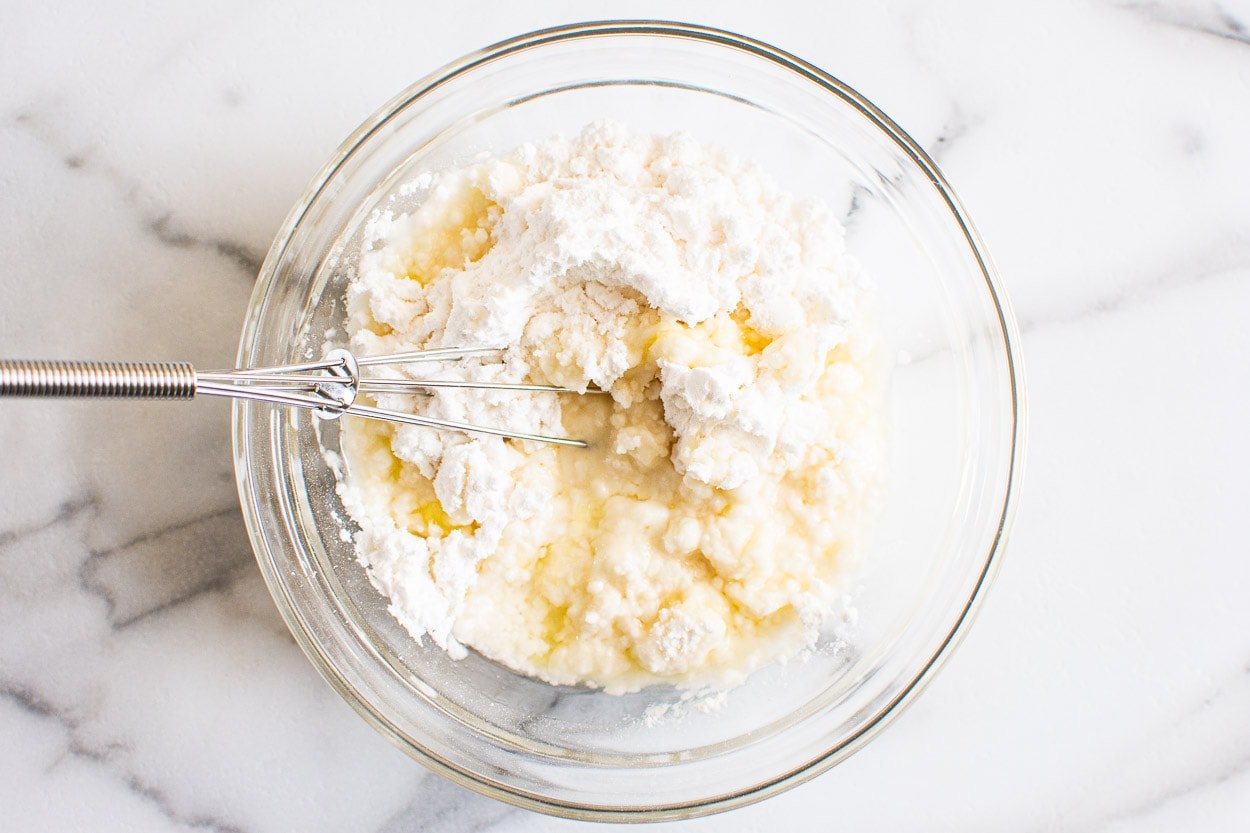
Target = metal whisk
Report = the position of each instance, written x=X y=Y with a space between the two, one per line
x=328 y=387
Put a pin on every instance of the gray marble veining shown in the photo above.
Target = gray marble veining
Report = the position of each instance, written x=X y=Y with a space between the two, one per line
x=146 y=680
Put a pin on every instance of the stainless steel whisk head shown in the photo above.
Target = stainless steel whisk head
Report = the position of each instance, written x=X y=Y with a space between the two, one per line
x=328 y=387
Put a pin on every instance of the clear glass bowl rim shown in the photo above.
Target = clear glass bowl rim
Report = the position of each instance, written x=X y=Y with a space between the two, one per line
x=1009 y=332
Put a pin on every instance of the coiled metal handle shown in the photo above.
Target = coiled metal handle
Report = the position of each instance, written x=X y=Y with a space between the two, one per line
x=116 y=380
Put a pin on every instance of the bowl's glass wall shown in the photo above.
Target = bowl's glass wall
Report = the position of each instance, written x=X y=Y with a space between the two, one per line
x=951 y=420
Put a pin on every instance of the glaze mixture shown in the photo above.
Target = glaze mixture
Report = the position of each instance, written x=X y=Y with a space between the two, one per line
x=701 y=534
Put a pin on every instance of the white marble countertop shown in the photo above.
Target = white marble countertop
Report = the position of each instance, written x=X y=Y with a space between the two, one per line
x=148 y=153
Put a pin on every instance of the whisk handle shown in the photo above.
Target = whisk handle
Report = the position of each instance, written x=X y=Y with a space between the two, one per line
x=113 y=380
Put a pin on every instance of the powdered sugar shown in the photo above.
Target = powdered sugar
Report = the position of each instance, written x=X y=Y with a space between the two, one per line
x=710 y=304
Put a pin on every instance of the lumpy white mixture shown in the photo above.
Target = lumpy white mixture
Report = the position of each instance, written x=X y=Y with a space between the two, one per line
x=702 y=533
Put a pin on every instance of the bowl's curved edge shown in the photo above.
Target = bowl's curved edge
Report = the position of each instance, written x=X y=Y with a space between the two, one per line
x=243 y=413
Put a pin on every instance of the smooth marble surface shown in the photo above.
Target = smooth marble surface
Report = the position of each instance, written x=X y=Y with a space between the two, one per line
x=148 y=152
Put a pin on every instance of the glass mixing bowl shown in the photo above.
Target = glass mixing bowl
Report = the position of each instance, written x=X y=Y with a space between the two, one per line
x=954 y=416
